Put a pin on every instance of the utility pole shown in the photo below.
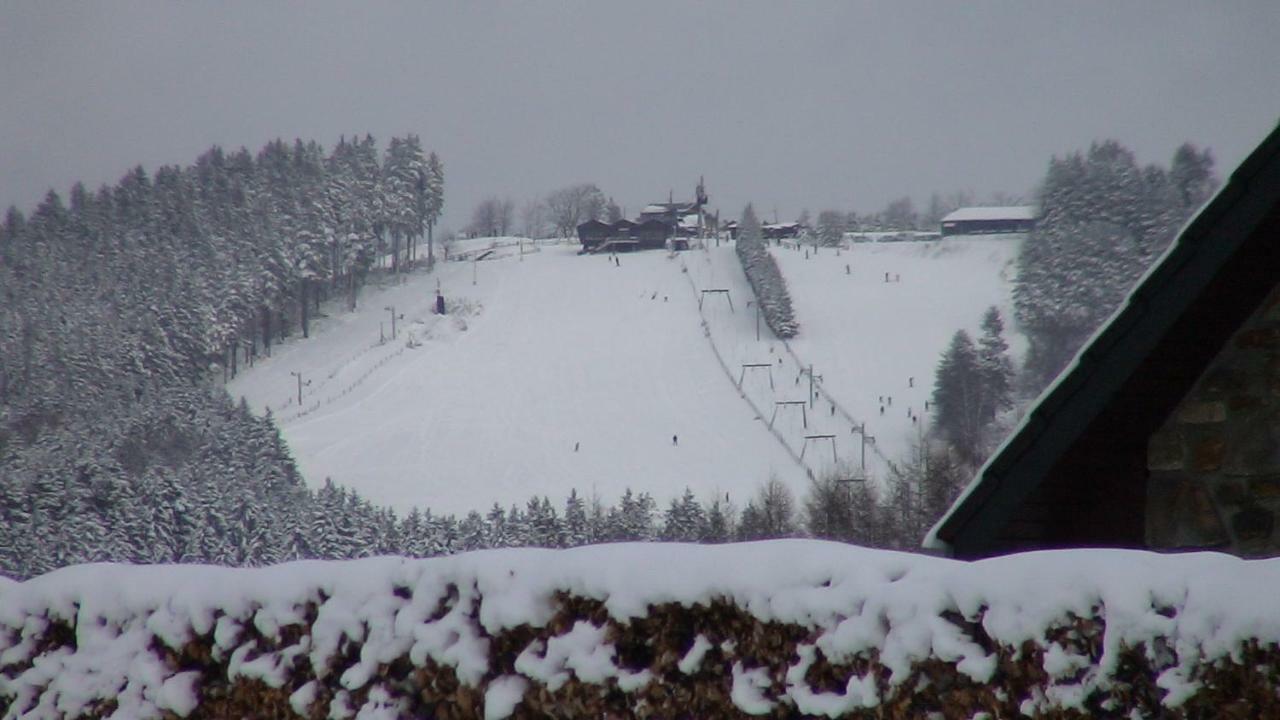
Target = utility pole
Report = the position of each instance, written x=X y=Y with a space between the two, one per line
x=862 y=430
x=300 y=384
x=810 y=386
x=392 y=309
x=473 y=271
x=809 y=371
x=757 y=322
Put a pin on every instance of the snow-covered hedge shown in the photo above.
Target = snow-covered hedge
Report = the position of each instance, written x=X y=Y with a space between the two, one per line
x=769 y=286
x=779 y=629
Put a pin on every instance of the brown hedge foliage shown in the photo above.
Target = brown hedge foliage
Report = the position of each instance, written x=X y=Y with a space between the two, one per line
x=1241 y=687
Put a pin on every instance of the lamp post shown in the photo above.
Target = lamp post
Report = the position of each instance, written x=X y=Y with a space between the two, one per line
x=392 y=310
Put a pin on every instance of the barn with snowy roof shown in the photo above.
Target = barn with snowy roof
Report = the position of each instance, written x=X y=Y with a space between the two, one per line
x=1164 y=432
x=989 y=220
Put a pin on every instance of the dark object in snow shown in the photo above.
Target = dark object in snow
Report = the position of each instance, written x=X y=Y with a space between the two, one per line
x=675 y=440
x=439 y=303
x=575 y=447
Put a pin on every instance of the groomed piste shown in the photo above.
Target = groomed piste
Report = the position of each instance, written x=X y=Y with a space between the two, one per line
x=774 y=629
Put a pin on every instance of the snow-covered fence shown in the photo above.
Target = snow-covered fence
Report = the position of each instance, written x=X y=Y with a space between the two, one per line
x=776 y=629
x=350 y=387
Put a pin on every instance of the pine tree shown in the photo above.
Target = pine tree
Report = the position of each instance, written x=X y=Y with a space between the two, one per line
x=719 y=527
x=1191 y=173
x=957 y=395
x=995 y=368
x=435 y=201
x=684 y=520
x=831 y=228
x=576 y=529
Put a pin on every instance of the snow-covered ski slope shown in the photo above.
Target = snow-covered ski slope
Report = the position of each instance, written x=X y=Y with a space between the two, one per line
x=571 y=373
x=549 y=351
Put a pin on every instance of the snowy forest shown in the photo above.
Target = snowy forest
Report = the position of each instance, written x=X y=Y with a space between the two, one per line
x=1103 y=220
x=123 y=307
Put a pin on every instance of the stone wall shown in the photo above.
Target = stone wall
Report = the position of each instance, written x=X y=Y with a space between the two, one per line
x=1215 y=464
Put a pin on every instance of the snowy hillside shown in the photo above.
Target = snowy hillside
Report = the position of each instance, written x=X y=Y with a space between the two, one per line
x=876 y=343
x=555 y=371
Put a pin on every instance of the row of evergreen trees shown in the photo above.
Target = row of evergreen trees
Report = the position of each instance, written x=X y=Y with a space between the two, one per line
x=767 y=283
x=124 y=501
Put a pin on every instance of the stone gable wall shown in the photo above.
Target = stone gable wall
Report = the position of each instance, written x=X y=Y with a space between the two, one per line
x=1215 y=464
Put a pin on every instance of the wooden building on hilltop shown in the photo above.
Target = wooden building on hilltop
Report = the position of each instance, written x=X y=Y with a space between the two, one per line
x=660 y=225
x=989 y=220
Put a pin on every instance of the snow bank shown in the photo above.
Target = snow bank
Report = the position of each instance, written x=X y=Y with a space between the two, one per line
x=646 y=630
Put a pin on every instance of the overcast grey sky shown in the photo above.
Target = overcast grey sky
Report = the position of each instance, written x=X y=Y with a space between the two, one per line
x=791 y=105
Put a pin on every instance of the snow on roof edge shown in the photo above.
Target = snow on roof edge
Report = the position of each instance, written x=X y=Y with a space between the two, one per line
x=992 y=212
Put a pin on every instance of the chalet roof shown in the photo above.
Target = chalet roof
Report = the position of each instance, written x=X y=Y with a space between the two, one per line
x=1012 y=212
x=1137 y=366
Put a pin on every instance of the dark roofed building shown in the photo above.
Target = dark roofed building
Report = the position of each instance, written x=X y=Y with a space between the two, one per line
x=1164 y=433
x=989 y=220
x=660 y=225
x=593 y=233
x=779 y=231
x=624 y=235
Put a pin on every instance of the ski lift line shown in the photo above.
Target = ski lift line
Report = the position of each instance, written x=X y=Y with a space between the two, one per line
x=778 y=435
x=831 y=399
x=832 y=438
x=758 y=413
x=804 y=413
x=725 y=291
x=749 y=366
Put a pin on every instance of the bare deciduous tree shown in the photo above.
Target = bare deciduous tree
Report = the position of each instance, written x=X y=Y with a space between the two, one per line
x=569 y=206
x=492 y=217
